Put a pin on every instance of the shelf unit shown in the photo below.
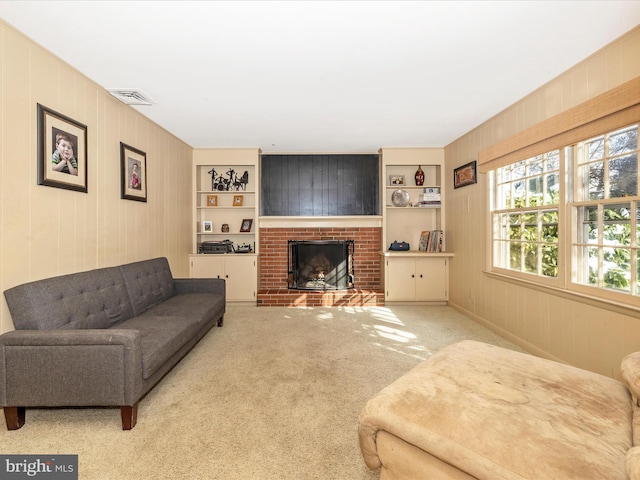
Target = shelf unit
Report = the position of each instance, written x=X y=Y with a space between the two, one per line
x=413 y=276
x=234 y=204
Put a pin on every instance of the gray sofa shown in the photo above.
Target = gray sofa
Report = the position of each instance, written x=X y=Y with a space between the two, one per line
x=103 y=337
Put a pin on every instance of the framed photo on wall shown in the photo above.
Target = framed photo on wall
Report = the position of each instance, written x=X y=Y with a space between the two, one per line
x=62 y=151
x=133 y=173
x=465 y=175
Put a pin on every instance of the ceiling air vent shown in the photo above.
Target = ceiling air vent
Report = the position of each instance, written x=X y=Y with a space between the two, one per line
x=130 y=96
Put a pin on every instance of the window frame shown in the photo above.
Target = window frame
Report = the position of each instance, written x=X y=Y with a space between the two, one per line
x=559 y=280
x=569 y=224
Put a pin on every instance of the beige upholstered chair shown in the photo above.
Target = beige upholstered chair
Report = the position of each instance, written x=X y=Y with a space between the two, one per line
x=479 y=411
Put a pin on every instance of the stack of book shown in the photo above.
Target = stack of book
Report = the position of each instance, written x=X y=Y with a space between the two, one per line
x=431 y=241
x=430 y=197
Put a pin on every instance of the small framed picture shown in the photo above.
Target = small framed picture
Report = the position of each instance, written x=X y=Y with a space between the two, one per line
x=465 y=175
x=62 y=151
x=207 y=226
x=396 y=180
x=133 y=172
x=246 y=225
x=212 y=200
x=238 y=200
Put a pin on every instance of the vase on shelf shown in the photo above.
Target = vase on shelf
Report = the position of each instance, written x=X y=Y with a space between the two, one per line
x=419 y=176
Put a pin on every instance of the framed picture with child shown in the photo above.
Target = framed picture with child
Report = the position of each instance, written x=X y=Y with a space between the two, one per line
x=62 y=151
x=133 y=173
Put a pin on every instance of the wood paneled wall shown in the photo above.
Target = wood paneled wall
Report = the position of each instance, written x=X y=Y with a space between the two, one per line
x=595 y=338
x=46 y=231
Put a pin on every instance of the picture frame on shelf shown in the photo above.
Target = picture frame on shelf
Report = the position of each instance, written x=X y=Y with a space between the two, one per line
x=212 y=200
x=246 y=225
x=396 y=180
x=62 y=151
x=133 y=173
x=465 y=175
x=207 y=226
x=238 y=200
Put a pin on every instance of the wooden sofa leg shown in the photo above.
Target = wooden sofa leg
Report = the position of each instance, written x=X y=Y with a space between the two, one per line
x=15 y=417
x=221 y=321
x=129 y=416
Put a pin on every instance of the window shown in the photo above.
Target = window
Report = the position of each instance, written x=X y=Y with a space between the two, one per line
x=525 y=216
x=606 y=191
x=571 y=217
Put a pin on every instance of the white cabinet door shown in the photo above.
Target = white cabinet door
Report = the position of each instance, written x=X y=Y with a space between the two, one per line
x=431 y=279
x=239 y=271
x=207 y=266
x=241 y=274
x=416 y=279
x=401 y=278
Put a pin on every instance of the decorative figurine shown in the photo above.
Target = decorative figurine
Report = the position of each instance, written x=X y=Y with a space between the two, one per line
x=419 y=176
x=232 y=182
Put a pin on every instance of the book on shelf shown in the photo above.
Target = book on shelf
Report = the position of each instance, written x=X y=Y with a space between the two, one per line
x=431 y=241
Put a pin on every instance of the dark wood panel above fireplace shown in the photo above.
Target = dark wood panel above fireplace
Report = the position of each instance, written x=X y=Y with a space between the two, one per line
x=320 y=185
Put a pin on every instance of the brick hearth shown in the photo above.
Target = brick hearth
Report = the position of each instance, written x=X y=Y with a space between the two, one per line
x=273 y=273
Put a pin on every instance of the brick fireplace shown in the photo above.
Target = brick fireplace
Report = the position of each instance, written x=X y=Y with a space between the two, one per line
x=273 y=267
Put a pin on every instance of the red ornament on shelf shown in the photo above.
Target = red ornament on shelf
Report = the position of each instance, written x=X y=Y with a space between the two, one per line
x=419 y=176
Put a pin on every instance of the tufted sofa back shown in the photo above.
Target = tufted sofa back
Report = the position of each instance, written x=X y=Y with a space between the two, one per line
x=98 y=298
x=148 y=282
x=94 y=299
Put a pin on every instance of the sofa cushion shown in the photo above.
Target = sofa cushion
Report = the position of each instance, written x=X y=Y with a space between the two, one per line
x=630 y=371
x=160 y=338
x=499 y=414
x=94 y=299
x=165 y=328
x=201 y=306
x=633 y=463
x=148 y=282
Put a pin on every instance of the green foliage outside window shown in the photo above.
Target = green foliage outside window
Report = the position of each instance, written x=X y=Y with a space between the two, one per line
x=600 y=182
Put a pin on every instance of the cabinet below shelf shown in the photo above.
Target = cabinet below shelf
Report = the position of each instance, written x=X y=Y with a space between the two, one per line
x=416 y=277
x=239 y=270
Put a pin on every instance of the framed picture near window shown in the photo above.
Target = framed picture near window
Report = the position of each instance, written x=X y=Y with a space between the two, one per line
x=465 y=175
x=246 y=225
x=212 y=200
x=238 y=200
x=133 y=173
x=62 y=151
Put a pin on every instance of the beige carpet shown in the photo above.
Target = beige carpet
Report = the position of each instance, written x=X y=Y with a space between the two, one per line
x=274 y=394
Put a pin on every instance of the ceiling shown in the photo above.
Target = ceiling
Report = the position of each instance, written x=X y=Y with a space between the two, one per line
x=325 y=76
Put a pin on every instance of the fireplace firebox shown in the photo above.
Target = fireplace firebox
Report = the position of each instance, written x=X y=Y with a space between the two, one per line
x=320 y=264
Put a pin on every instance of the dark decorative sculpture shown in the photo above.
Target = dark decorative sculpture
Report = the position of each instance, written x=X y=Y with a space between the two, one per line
x=419 y=176
x=241 y=182
x=231 y=182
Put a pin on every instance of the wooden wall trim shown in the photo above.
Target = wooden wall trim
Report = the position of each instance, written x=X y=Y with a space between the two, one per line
x=613 y=109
